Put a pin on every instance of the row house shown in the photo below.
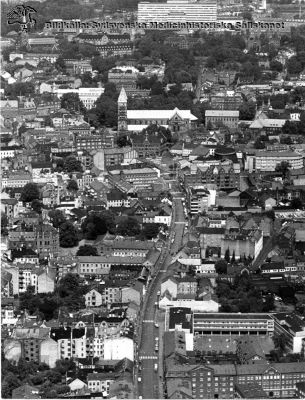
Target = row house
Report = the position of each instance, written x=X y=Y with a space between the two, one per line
x=151 y=146
x=103 y=38
x=118 y=49
x=15 y=179
x=42 y=238
x=31 y=344
x=218 y=381
x=117 y=199
x=127 y=247
x=248 y=243
x=101 y=265
x=88 y=142
x=138 y=177
x=78 y=67
x=116 y=291
x=25 y=275
x=10 y=207
x=223 y=177
x=229 y=118
x=105 y=158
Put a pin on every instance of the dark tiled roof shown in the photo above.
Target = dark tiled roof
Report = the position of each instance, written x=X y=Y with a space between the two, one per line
x=178 y=315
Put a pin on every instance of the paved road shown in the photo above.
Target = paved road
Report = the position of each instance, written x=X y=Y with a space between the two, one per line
x=148 y=388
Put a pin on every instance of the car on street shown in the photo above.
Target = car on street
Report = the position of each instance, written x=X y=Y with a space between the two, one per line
x=155 y=367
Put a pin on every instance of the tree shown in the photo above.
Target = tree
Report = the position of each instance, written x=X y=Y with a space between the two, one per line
x=68 y=236
x=123 y=141
x=294 y=67
x=247 y=111
x=71 y=292
x=269 y=303
x=221 y=267
x=227 y=255
x=286 y=140
x=296 y=204
x=8 y=384
x=57 y=218
x=283 y=167
x=209 y=126
x=103 y=65
x=72 y=102
x=93 y=226
x=29 y=192
x=4 y=223
x=60 y=64
x=211 y=62
x=129 y=227
x=72 y=185
x=280 y=342
x=276 y=66
x=270 y=214
x=37 y=206
x=156 y=89
x=19 y=89
x=259 y=144
x=68 y=284
x=233 y=257
x=105 y=112
x=72 y=164
x=87 y=250
x=150 y=231
x=87 y=80
x=247 y=16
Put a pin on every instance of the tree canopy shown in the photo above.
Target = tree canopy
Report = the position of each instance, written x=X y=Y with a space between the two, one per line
x=241 y=296
x=129 y=227
x=72 y=185
x=68 y=235
x=96 y=224
x=57 y=218
x=87 y=250
x=72 y=164
x=71 y=102
x=30 y=192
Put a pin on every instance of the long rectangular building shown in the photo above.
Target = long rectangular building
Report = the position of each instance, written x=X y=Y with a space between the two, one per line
x=232 y=324
x=178 y=11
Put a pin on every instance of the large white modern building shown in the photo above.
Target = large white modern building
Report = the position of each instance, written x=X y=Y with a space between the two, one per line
x=178 y=11
x=268 y=160
x=87 y=95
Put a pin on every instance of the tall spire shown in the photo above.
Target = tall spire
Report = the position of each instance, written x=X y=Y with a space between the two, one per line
x=123 y=96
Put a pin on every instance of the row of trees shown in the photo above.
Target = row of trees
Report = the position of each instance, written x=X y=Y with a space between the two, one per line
x=100 y=223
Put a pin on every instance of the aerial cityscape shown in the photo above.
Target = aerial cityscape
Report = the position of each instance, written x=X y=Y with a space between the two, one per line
x=152 y=199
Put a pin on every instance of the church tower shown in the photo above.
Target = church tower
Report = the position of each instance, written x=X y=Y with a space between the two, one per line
x=122 y=112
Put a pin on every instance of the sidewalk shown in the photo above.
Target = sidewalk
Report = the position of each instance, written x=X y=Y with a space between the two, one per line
x=160 y=319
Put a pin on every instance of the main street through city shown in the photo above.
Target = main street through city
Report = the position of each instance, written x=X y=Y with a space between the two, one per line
x=147 y=357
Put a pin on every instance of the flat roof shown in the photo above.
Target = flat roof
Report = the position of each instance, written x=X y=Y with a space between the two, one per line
x=230 y=316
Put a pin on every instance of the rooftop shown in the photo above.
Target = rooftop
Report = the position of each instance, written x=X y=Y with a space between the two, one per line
x=231 y=316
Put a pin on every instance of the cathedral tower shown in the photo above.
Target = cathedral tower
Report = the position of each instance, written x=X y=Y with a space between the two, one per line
x=122 y=112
